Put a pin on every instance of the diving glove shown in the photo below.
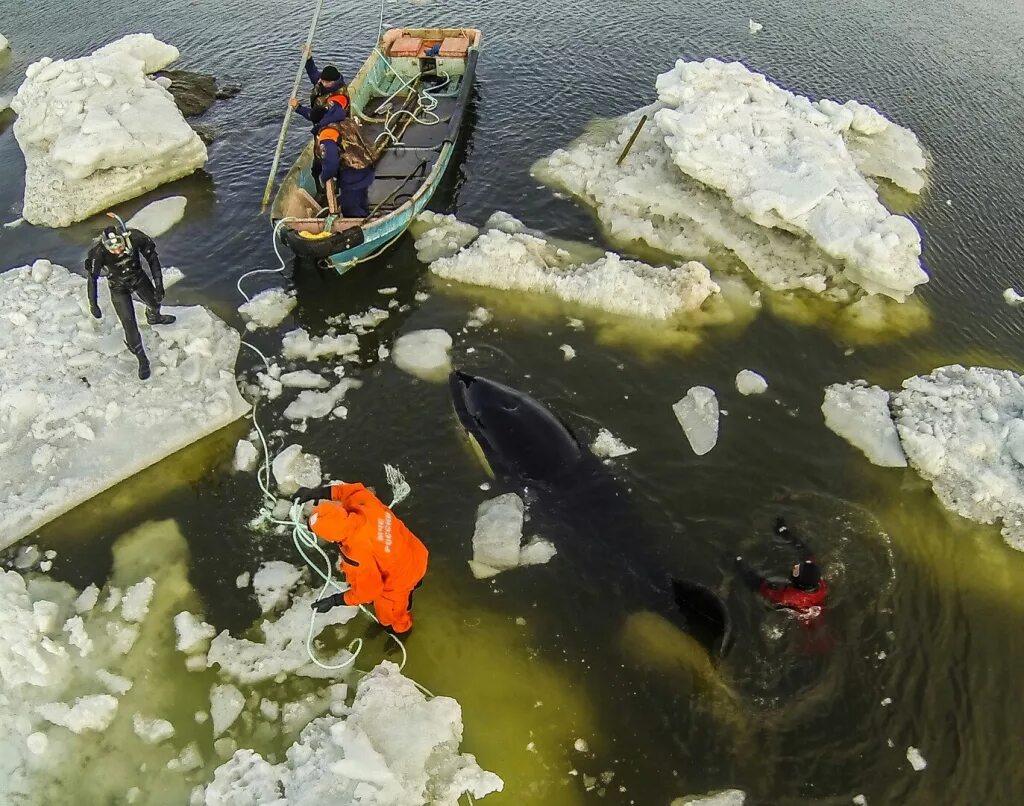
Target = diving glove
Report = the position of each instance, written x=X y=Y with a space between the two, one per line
x=328 y=602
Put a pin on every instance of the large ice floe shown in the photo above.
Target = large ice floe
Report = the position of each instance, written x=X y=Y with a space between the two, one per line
x=860 y=414
x=730 y=161
x=87 y=719
x=74 y=417
x=962 y=429
x=509 y=257
x=97 y=130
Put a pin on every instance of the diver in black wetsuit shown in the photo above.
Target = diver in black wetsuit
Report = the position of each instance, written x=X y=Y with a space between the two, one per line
x=117 y=257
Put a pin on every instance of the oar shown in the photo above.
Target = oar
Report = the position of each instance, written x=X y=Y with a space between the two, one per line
x=288 y=111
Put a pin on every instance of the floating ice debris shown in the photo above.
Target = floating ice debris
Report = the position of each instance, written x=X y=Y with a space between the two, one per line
x=96 y=131
x=226 y=704
x=363 y=322
x=439 y=236
x=192 y=633
x=749 y=382
x=293 y=469
x=497 y=537
x=94 y=712
x=608 y=446
x=717 y=157
x=315 y=405
x=568 y=352
x=304 y=379
x=87 y=422
x=424 y=353
x=916 y=759
x=522 y=261
x=961 y=429
x=697 y=413
x=860 y=800
x=581 y=746
x=575 y=324
x=246 y=456
x=273 y=583
x=268 y=308
x=387 y=291
x=298 y=344
x=152 y=731
x=396 y=747
x=188 y=759
x=5 y=45
x=886 y=702
x=158 y=217
x=860 y=414
x=1011 y=297
x=17 y=222
x=135 y=602
x=479 y=317
x=536 y=551
x=242 y=580
x=754 y=26
x=723 y=797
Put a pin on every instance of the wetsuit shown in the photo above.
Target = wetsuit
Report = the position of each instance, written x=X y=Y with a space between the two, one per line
x=124 y=277
x=382 y=560
x=804 y=593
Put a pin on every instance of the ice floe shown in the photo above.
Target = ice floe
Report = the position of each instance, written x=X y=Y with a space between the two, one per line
x=497 y=538
x=424 y=354
x=608 y=446
x=510 y=258
x=962 y=430
x=299 y=344
x=97 y=130
x=74 y=417
x=697 y=412
x=158 y=217
x=728 y=159
x=315 y=405
x=749 y=382
x=268 y=308
x=860 y=414
x=293 y=469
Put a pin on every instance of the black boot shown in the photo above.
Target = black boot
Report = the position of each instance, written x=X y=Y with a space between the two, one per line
x=144 y=371
x=157 y=318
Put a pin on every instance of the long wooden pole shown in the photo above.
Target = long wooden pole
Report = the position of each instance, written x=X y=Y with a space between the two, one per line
x=288 y=111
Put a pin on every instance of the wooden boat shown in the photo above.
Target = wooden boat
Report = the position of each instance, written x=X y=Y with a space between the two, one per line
x=416 y=84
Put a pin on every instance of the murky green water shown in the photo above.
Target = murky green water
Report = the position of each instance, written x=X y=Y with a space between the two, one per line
x=793 y=718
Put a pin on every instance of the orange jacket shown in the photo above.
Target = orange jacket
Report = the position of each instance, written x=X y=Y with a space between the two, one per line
x=380 y=554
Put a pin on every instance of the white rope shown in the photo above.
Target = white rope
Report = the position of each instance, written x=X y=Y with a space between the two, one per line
x=280 y=269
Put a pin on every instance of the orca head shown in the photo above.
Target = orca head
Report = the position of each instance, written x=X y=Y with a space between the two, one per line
x=520 y=439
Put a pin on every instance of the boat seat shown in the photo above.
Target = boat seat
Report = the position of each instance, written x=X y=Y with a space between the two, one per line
x=406 y=46
x=455 y=47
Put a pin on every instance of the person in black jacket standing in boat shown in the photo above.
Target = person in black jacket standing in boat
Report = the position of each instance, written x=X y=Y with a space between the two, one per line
x=117 y=257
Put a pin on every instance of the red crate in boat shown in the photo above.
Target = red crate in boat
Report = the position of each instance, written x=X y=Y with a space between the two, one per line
x=406 y=46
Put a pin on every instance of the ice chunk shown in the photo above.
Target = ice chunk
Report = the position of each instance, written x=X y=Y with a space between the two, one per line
x=439 y=236
x=697 y=413
x=499 y=531
x=226 y=703
x=755 y=27
x=247 y=456
x=293 y=469
x=5 y=45
x=424 y=353
x=188 y=759
x=310 y=404
x=1011 y=297
x=192 y=633
x=298 y=344
x=568 y=352
x=273 y=584
x=135 y=602
x=242 y=580
x=959 y=429
x=537 y=552
x=93 y=712
x=860 y=414
x=114 y=683
x=158 y=217
x=916 y=759
x=609 y=446
x=77 y=635
x=268 y=308
x=478 y=317
x=152 y=731
x=527 y=262
x=87 y=423
x=96 y=131
x=723 y=797
x=396 y=747
x=749 y=382
x=304 y=379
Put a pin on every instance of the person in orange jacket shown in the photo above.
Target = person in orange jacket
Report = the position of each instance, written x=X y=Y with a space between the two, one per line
x=382 y=560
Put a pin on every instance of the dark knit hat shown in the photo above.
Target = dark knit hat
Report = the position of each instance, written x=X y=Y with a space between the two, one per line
x=808 y=576
x=330 y=73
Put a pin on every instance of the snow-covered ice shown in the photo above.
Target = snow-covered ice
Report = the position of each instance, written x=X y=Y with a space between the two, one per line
x=158 y=217
x=697 y=413
x=293 y=469
x=74 y=416
x=193 y=633
x=273 y=583
x=424 y=354
x=728 y=159
x=311 y=404
x=396 y=747
x=268 y=308
x=962 y=430
x=299 y=344
x=608 y=446
x=749 y=382
x=498 y=535
x=860 y=414
x=525 y=261
x=916 y=759
x=96 y=131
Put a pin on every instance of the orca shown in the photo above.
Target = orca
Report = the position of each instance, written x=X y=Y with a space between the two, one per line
x=591 y=516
